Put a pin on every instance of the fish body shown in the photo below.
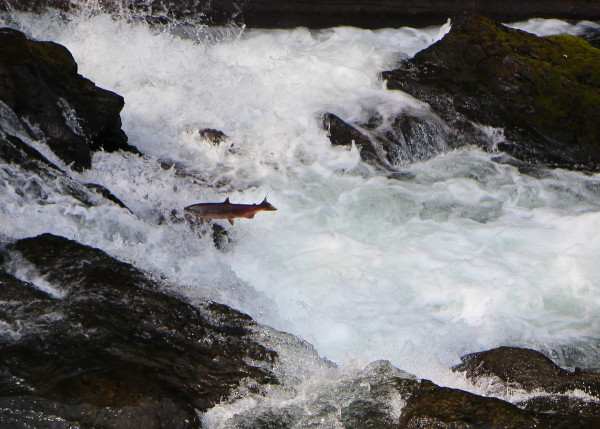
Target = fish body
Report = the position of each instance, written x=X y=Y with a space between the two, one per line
x=226 y=210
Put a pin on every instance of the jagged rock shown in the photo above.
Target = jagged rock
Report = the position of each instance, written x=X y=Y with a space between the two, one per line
x=327 y=13
x=38 y=177
x=544 y=91
x=529 y=370
x=382 y=396
x=437 y=407
x=373 y=398
x=46 y=98
x=518 y=368
x=105 y=193
x=394 y=142
x=341 y=133
x=105 y=346
x=563 y=404
x=213 y=136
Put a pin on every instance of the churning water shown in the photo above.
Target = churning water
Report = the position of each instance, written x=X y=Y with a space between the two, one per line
x=459 y=255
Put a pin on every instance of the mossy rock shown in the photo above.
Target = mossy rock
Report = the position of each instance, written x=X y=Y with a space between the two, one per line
x=51 y=102
x=544 y=91
x=111 y=348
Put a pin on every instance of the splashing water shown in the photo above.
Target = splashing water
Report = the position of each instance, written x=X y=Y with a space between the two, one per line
x=461 y=255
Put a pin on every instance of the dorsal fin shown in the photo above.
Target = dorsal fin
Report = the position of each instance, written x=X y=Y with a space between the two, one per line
x=264 y=201
x=226 y=201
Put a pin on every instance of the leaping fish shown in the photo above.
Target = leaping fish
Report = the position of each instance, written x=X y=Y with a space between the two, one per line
x=226 y=210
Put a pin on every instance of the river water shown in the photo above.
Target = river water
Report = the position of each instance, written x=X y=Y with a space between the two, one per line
x=460 y=254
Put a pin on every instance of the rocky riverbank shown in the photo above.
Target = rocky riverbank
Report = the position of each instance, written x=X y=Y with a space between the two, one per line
x=89 y=341
x=536 y=99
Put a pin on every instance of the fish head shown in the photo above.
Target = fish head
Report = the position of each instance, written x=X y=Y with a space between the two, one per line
x=194 y=209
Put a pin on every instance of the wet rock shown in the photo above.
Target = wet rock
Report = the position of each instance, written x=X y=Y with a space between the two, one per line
x=221 y=237
x=213 y=136
x=328 y=13
x=105 y=193
x=372 y=398
x=382 y=396
x=440 y=407
x=528 y=370
x=105 y=346
x=563 y=404
x=44 y=95
x=544 y=91
x=341 y=133
x=389 y=143
x=34 y=177
x=592 y=35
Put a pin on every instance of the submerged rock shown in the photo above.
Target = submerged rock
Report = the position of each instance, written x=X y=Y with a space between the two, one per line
x=390 y=143
x=213 y=136
x=33 y=177
x=543 y=91
x=443 y=408
x=91 y=341
x=43 y=95
x=371 y=398
x=527 y=369
x=531 y=371
x=382 y=396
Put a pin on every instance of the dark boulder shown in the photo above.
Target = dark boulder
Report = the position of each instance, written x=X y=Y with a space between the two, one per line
x=543 y=91
x=103 y=345
x=529 y=370
x=437 y=407
x=518 y=368
x=34 y=177
x=341 y=133
x=50 y=101
x=213 y=136
x=390 y=143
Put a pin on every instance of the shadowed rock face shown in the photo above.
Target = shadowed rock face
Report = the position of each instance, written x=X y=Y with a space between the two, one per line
x=40 y=176
x=432 y=406
x=40 y=87
x=330 y=13
x=107 y=347
x=531 y=371
x=544 y=91
x=394 y=142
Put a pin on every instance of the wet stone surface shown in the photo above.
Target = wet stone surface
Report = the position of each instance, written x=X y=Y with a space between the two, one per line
x=106 y=346
x=543 y=91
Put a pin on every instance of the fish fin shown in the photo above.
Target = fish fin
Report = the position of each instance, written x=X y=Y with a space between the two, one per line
x=226 y=201
x=265 y=200
x=230 y=220
x=250 y=216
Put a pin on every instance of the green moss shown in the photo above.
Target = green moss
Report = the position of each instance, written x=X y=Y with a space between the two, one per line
x=559 y=76
x=17 y=50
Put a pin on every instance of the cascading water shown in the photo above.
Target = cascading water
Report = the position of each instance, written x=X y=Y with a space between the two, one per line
x=458 y=254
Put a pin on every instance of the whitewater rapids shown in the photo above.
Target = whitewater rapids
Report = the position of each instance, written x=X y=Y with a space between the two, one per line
x=460 y=255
